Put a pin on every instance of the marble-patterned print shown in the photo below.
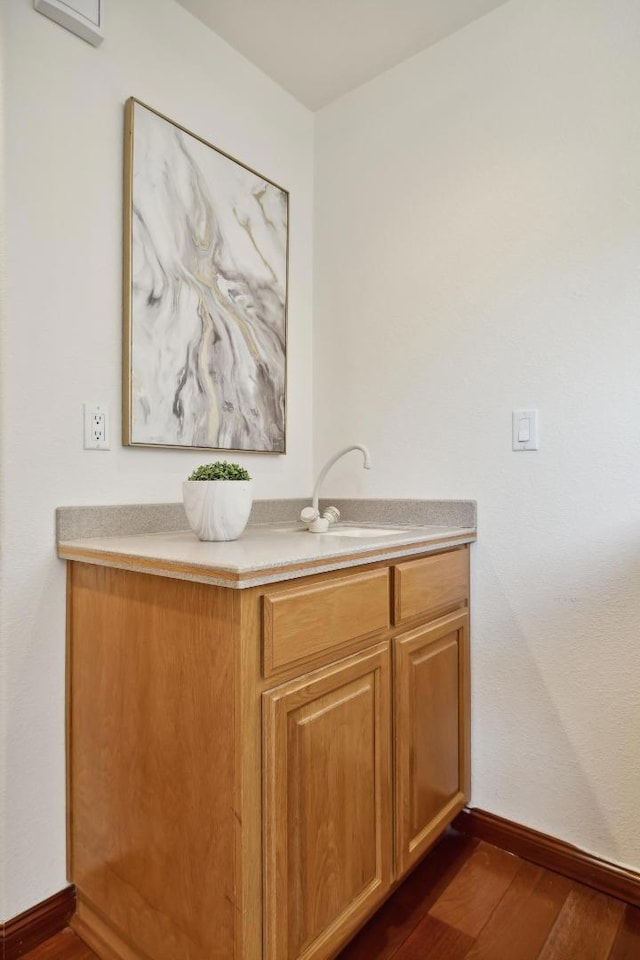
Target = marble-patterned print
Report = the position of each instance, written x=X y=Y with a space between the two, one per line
x=209 y=275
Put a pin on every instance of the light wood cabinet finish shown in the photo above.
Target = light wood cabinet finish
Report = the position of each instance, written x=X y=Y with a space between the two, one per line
x=151 y=769
x=218 y=813
x=431 y=670
x=308 y=622
x=432 y=586
x=327 y=810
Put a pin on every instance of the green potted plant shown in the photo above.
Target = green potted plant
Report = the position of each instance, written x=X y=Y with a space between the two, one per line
x=217 y=500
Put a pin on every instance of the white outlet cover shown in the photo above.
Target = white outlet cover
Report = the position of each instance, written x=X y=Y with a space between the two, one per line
x=96 y=413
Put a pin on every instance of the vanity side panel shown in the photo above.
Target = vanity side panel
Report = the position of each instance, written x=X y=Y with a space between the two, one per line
x=151 y=752
x=248 y=747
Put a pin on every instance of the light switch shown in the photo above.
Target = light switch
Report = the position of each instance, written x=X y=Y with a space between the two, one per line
x=525 y=430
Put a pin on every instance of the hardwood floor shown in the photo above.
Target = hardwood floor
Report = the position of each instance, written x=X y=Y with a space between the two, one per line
x=471 y=901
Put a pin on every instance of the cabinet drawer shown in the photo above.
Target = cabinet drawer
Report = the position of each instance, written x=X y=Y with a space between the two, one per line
x=306 y=622
x=431 y=586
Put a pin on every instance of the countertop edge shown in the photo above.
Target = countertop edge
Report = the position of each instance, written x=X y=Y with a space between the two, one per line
x=253 y=578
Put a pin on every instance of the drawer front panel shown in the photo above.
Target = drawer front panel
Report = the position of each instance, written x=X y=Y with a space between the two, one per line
x=306 y=622
x=431 y=586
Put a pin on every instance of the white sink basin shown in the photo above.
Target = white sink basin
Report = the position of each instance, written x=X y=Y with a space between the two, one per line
x=344 y=530
x=359 y=532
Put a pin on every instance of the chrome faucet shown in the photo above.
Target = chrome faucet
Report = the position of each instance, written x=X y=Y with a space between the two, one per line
x=311 y=515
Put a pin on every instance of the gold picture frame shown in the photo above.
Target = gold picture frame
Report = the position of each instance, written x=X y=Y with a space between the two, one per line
x=205 y=292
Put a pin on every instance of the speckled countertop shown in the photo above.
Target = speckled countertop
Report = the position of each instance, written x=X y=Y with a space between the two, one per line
x=265 y=553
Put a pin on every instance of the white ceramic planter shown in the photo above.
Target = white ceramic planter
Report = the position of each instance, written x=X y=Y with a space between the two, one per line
x=217 y=509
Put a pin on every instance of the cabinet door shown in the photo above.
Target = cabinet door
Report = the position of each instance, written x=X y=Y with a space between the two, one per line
x=431 y=670
x=327 y=805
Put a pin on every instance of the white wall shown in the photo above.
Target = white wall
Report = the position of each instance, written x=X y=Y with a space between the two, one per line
x=63 y=342
x=3 y=665
x=477 y=249
x=478 y=241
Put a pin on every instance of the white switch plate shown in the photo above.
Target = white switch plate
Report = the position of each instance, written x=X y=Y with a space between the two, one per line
x=525 y=424
x=96 y=426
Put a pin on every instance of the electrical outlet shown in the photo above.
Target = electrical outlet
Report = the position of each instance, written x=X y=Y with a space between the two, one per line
x=96 y=426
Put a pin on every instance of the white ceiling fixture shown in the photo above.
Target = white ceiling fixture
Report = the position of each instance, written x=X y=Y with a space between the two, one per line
x=318 y=50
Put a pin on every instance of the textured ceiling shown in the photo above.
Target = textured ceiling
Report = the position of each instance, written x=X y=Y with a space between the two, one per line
x=318 y=50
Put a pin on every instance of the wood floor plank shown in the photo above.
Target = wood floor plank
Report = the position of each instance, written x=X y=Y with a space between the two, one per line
x=465 y=885
x=434 y=940
x=476 y=890
x=522 y=920
x=586 y=926
x=627 y=943
x=64 y=946
x=396 y=919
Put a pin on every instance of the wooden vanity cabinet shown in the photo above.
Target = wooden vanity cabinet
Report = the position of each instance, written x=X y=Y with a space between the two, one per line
x=431 y=696
x=432 y=774
x=252 y=771
x=327 y=809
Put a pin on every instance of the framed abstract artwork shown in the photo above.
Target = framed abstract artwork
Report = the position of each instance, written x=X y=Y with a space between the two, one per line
x=205 y=294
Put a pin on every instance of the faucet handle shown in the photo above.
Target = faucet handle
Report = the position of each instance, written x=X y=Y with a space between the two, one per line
x=332 y=514
x=309 y=514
